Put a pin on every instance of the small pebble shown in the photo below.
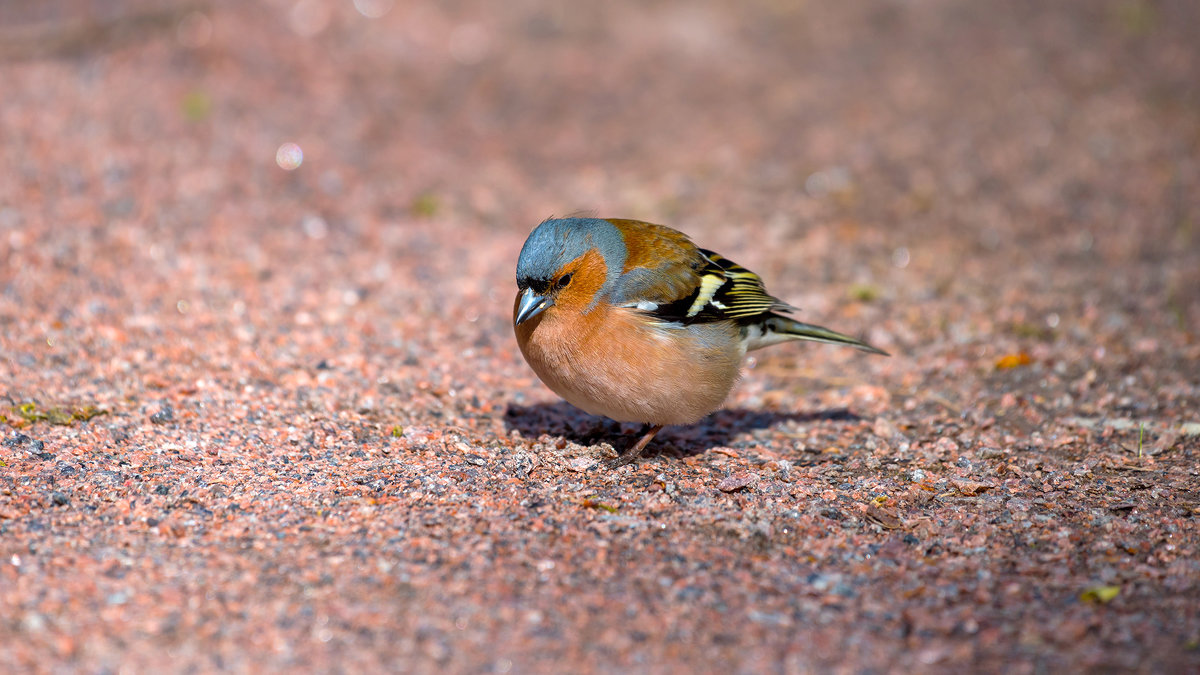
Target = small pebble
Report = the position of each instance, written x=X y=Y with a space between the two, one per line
x=737 y=481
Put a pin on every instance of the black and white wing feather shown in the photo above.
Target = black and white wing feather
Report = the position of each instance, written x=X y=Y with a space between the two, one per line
x=726 y=291
x=729 y=292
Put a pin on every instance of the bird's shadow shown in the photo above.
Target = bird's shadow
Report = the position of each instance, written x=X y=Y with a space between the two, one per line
x=717 y=430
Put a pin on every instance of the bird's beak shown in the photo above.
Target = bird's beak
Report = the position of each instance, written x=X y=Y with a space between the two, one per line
x=529 y=305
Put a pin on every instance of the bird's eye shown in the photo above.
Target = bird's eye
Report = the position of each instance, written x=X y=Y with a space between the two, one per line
x=564 y=280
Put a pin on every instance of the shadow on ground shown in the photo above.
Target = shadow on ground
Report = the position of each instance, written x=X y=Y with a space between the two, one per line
x=723 y=428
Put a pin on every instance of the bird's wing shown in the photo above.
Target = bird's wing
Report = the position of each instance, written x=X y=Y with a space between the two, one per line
x=662 y=266
x=673 y=280
x=726 y=291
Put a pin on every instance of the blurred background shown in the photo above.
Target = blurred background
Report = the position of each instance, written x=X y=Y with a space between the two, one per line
x=884 y=123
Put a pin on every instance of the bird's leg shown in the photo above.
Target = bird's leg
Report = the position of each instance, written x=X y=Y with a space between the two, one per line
x=648 y=433
x=634 y=451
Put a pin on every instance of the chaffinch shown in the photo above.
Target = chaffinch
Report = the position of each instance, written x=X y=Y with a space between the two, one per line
x=632 y=321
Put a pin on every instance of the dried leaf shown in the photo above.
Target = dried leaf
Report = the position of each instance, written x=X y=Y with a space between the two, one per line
x=1100 y=594
x=592 y=503
x=59 y=417
x=87 y=412
x=886 y=519
x=1013 y=361
x=30 y=412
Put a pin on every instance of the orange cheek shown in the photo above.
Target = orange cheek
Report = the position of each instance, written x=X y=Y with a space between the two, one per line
x=588 y=276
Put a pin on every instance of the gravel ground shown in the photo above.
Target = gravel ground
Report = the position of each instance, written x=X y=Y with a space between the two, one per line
x=265 y=417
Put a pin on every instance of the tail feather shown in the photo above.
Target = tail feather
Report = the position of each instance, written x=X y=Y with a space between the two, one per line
x=776 y=328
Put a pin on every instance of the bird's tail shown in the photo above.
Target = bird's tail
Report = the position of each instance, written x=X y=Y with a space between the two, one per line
x=780 y=328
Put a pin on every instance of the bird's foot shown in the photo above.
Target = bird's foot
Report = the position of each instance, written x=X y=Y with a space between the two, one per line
x=634 y=451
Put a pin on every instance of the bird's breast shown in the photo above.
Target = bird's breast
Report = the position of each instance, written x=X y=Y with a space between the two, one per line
x=618 y=363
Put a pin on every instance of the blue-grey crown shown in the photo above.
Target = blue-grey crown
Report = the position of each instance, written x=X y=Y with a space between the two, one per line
x=555 y=243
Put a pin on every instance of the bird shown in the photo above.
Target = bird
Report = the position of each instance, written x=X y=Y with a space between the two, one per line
x=632 y=321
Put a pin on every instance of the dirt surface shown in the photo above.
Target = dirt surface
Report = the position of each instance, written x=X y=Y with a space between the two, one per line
x=260 y=416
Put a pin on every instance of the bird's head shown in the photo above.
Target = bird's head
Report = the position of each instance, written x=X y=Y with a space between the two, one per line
x=568 y=264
